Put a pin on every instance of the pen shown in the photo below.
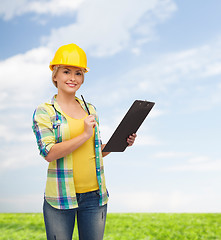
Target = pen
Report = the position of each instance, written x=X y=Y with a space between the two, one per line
x=85 y=105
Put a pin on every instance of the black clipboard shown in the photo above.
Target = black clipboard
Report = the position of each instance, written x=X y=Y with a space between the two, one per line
x=129 y=125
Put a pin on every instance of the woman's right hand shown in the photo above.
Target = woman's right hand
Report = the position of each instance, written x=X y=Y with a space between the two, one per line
x=64 y=148
x=89 y=124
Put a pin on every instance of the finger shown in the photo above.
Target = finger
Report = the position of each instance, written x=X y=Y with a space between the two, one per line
x=131 y=138
x=92 y=121
x=91 y=117
x=130 y=142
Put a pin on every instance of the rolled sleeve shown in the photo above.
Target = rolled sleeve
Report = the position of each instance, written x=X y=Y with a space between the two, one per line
x=43 y=130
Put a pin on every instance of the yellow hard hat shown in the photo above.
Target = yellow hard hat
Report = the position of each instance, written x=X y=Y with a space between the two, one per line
x=70 y=55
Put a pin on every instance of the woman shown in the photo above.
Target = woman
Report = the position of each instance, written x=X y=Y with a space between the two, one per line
x=68 y=138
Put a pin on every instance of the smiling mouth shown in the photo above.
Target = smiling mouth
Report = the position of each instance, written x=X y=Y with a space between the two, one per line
x=71 y=84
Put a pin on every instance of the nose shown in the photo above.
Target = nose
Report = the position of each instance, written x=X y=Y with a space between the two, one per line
x=72 y=77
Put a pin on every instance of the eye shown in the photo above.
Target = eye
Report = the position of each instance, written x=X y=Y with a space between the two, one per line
x=66 y=72
x=78 y=73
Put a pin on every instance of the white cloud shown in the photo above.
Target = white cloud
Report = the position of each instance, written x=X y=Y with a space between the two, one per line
x=146 y=140
x=104 y=28
x=13 y=8
x=188 y=162
x=24 y=77
x=155 y=113
x=186 y=77
x=169 y=70
x=163 y=202
x=172 y=155
x=9 y=9
x=9 y=134
x=197 y=164
x=20 y=155
x=26 y=203
x=54 y=7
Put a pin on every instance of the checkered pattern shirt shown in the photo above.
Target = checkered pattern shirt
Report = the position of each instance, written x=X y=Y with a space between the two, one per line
x=50 y=127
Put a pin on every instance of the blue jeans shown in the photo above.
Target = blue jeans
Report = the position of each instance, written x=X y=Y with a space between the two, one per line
x=91 y=218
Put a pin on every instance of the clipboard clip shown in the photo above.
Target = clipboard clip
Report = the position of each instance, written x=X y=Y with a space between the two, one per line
x=148 y=103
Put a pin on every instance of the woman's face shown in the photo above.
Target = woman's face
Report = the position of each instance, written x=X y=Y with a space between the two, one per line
x=69 y=79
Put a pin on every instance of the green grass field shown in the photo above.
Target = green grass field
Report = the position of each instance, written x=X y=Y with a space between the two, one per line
x=134 y=226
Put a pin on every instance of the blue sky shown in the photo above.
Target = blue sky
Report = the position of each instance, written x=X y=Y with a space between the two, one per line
x=164 y=51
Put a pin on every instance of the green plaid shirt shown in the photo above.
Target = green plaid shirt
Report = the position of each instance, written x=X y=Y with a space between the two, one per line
x=50 y=127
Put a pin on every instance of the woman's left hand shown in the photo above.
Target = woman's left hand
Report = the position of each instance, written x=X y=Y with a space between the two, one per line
x=131 y=139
